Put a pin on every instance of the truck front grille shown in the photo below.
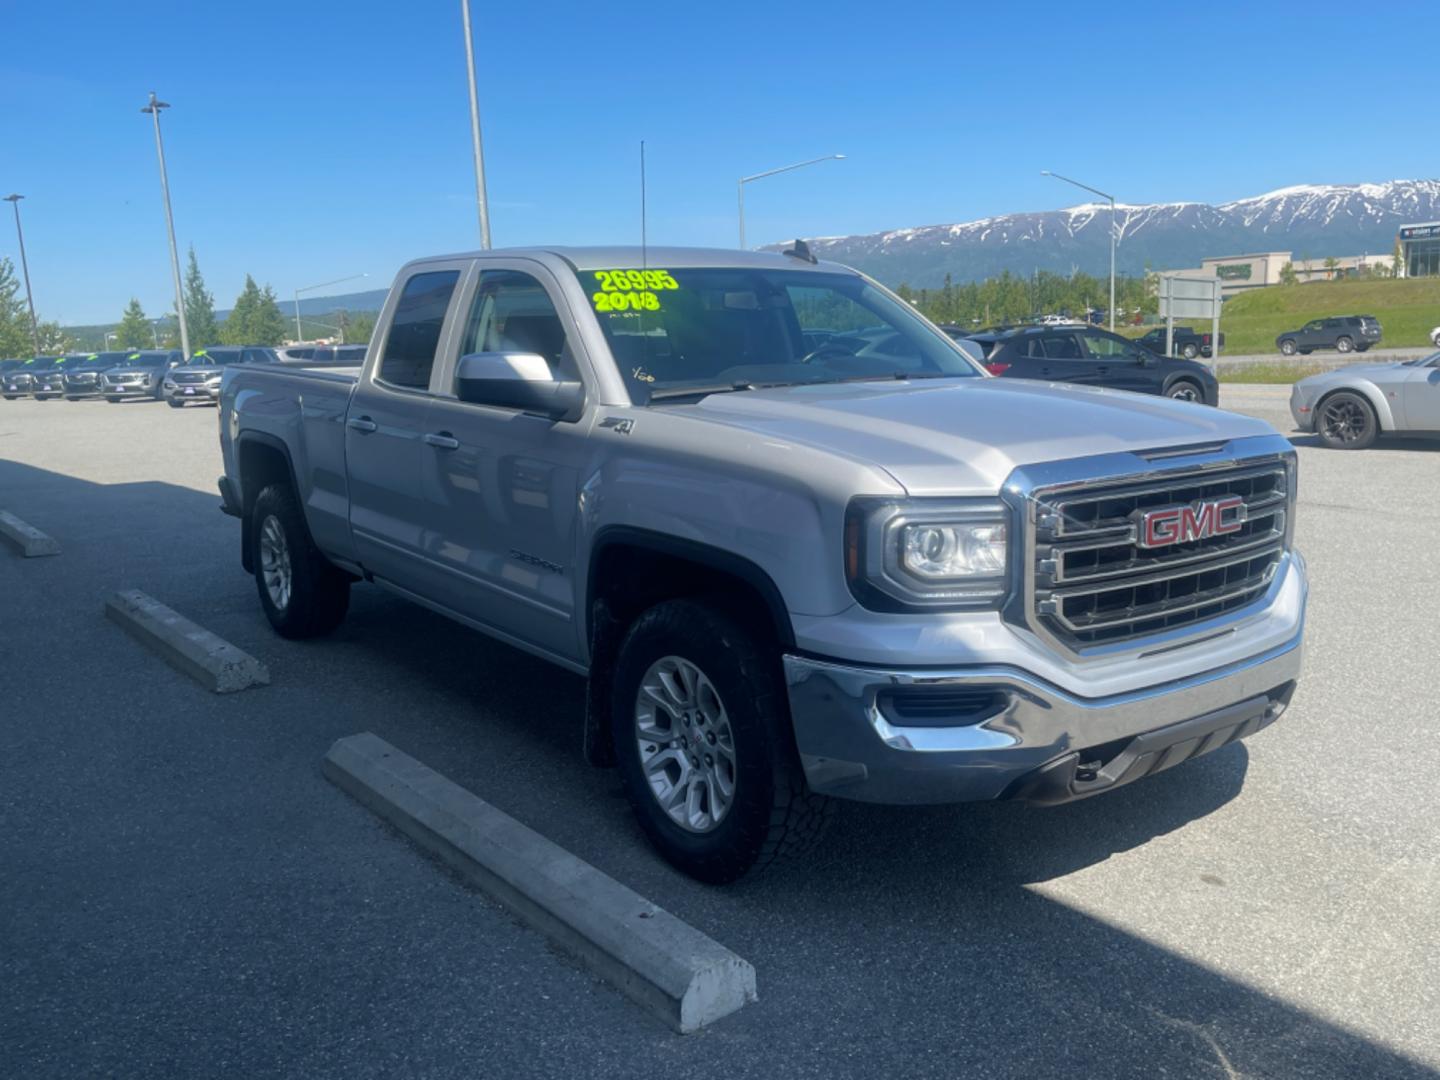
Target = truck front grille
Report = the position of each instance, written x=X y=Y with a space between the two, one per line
x=1093 y=583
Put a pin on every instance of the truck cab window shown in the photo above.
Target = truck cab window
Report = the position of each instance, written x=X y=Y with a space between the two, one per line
x=512 y=312
x=414 y=336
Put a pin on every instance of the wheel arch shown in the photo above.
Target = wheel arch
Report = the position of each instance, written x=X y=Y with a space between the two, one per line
x=262 y=460
x=1371 y=393
x=631 y=570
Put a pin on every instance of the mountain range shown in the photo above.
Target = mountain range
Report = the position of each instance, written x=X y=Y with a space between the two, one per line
x=1310 y=221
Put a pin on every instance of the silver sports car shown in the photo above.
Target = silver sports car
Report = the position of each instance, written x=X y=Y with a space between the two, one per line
x=1352 y=406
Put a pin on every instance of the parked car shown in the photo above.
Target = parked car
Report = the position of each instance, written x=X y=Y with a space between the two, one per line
x=84 y=379
x=1094 y=357
x=862 y=570
x=6 y=367
x=1344 y=333
x=141 y=375
x=1184 y=342
x=48 y=379
x=1351 y=407
x=198 y=381
x=338 y=355
x=20 y=379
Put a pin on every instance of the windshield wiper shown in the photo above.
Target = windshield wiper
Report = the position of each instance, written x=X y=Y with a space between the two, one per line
x=701 y=391
x=897 y=376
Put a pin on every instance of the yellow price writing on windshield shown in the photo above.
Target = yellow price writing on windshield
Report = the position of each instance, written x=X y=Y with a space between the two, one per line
x=626 y=301
x=626 y=280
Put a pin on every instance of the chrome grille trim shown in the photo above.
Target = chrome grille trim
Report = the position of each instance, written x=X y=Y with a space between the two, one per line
x=1082 y=583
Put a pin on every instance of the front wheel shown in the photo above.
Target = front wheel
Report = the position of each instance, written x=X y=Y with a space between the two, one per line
x=1287 y=347
x=303 y=594
x=1185 y=390
x=702 y=738
x=174 y=404
x=1346 y=421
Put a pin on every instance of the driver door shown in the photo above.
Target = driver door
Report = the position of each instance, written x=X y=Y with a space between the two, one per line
x=1422 y=398
x=1122 y=365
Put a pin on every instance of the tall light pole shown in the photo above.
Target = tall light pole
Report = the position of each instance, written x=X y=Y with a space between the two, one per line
x=482 y=203
x=1103 y=195
x=14 y=200
x=153 y=108
x=740 y=186
x=299 y=334
x=108 y=335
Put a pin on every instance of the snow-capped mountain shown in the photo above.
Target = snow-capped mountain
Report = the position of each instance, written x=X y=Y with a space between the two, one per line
x=1309 y=220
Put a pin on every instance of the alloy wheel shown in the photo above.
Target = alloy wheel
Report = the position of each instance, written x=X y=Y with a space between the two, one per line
x=686 y=745
x=275 y=562
x=1344 y=420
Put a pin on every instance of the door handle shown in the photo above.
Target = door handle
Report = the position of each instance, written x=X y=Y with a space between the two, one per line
x=1103 y=369
x=443 y=440
x=362 y=424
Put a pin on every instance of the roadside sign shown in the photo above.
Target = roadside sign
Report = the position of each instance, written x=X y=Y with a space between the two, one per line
x=1191 y=298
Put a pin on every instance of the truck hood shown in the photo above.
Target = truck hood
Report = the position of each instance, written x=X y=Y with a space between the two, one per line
x=965 y=436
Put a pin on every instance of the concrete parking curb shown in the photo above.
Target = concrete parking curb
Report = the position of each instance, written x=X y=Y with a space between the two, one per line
x=669 y=967
x=28 y=540
x=209 y=660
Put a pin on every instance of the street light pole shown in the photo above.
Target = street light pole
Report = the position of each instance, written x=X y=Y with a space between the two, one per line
x=740 y=184
x=299 y=334
x=481 y=201
x=14 y=200
x=1103 y=195
x=153 y=108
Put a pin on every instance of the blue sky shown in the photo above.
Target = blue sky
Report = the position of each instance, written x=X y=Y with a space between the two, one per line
x=314 y=139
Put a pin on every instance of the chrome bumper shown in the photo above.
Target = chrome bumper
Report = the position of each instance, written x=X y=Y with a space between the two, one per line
x=1036 y=743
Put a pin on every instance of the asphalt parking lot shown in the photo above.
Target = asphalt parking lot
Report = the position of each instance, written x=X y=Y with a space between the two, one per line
x=182 y=892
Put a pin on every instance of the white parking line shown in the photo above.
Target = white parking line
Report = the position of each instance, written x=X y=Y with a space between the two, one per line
x=669 y=967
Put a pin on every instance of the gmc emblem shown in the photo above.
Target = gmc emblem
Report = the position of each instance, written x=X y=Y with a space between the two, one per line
x=1198 y=521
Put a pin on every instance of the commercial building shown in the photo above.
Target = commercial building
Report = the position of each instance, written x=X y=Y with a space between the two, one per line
x=1241 y=273
x=1420 y=249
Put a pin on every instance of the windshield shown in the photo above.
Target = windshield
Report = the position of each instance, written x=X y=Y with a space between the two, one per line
x=215 y=357
x=671 y=330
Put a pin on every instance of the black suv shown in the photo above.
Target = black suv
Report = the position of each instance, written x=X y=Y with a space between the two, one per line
x=1344 y=333
x=83 y=380
x=1093 y=357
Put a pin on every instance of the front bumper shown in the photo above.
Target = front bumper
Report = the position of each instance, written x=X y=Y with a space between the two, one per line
x=204 y=392
x=1013 y=734
x=128 y=390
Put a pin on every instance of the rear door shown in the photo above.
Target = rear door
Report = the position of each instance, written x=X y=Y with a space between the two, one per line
x=1065 y=359
x=500 y=486
x=386 y=420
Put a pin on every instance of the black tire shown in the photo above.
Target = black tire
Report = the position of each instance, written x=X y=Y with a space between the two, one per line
x=1346 y=421
x=174 y=403
x=1344 y=344
x=1288 y=347
x=319 y=591
x=1186 y=390
x=9 y=397
x=1362 y=348
x=1306 y=352
x=1189 y=352
x=113 y=400
x=772 y=814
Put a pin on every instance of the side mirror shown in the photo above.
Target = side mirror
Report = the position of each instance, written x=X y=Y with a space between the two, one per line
x=1143 y=358
x=514 y=380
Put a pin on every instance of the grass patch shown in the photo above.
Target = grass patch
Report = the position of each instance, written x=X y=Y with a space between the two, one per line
x=1408 y=309
x=1269 y=373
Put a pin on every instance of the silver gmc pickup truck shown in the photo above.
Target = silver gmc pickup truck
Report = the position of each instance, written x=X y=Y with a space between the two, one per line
x=801 y=546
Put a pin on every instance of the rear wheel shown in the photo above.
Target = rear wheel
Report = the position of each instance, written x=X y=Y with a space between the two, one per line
x=1346 y=421
x=702 y=739
x=1287 y=347
x=1344 y=344
x=304 y=595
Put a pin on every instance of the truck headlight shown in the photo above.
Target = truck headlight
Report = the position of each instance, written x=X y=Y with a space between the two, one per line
x=904 y=554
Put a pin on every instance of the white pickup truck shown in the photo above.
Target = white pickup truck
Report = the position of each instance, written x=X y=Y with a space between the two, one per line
x=801 y=545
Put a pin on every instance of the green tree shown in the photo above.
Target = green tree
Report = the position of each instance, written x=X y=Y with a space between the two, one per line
x=1330 y=264
x=359 y=328
x=15 y=340
x=134 y=329
x=53 y=339
x=255 y=318
x=1288 y=275
x=199 y=307
x=268 y=326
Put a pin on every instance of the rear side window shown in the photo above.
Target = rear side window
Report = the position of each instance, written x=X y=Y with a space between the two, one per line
x=414 y=336
x=1061 y=347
